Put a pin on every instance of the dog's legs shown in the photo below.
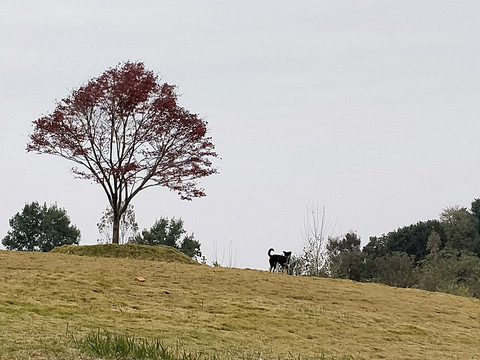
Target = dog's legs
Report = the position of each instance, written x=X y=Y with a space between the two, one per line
x=272 y=266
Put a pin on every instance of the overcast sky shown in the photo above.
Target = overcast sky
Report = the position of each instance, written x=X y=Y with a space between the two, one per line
x=370 y=109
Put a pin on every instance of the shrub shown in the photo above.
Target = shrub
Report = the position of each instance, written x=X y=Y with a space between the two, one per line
x=396 y=270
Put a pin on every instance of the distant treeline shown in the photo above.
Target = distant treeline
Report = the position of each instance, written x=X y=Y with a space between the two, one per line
x=436 y=255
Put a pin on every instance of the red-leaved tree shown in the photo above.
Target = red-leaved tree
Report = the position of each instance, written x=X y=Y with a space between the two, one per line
x=127 y=132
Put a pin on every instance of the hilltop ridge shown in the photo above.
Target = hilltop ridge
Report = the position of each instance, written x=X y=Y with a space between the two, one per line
x=130 y=251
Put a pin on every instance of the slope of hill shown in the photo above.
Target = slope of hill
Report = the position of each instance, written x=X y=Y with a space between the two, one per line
x=227 y=313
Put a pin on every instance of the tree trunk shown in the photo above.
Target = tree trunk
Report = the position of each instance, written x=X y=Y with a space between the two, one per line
x=116 y=227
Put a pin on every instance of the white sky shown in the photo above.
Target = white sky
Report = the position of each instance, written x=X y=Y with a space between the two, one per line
x=369 y=108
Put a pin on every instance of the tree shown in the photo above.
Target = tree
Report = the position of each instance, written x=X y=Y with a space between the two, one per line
x=345 y=259
x=349 y=243
x=127 y=133
x=128 y=225
x=396 y=269
x=411 y=240
x=461 y=229
x=314 y=235
x=170 y=232
x=451 y=271
x=190 y=247
x=40 y=228
x=163 y=232
x=376 y=247
x=434 y=243
x=475 y=208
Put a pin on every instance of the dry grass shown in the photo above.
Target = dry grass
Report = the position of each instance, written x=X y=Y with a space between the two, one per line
x=228 y=313
x=129 y=251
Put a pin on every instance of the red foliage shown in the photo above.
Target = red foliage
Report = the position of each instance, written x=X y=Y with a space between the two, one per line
x=128 y=133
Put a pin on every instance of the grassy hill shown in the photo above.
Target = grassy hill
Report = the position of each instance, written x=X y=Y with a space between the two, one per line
x=129 y=251
x=222 y=313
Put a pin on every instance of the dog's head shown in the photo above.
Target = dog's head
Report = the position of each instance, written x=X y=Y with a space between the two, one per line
x=287 y=254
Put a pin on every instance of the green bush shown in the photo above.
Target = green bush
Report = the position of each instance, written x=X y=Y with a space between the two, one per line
x=170 y=233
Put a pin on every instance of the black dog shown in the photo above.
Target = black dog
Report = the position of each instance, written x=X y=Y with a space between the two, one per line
x=282 y=260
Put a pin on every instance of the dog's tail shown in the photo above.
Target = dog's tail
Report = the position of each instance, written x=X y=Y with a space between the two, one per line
x=269 y=251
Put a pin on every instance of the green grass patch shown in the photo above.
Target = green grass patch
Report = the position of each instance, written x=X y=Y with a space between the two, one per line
x=109 y=345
